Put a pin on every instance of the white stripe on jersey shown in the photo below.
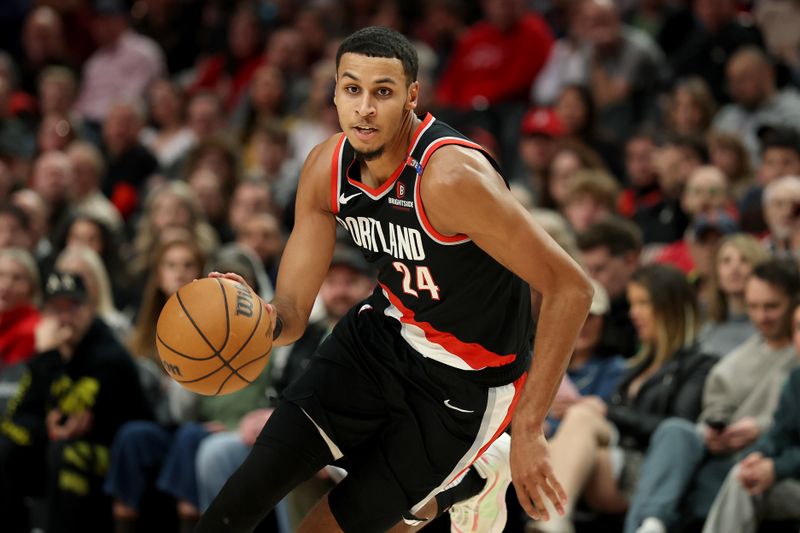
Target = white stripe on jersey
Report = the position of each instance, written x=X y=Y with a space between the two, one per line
x=415 y=336
x=498 y=403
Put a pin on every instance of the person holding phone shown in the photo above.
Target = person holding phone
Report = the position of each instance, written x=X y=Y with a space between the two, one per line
x=739 y=396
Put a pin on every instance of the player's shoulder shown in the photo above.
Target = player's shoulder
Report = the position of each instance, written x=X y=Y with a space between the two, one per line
x=319 y=158
x=456 y=166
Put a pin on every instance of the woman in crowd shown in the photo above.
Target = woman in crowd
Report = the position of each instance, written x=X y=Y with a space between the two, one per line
x=728 y=324
x=171 y=206
x=598 y=446
x=19 y=294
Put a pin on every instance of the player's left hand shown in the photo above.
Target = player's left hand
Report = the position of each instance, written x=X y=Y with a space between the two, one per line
x=532 y=473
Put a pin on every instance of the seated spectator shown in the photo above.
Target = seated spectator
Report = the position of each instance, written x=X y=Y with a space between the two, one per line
x=739 y=396
x=250 y=197
x=84 y=262
x=213 y=200
x=765 y=484
x=690 y=107
x=610 y=251
x=172 y=205
x=128 y=163
x=88 y=169
x=229 y=72
x=701 y=42
x=15 y=228
x=590 y=197
x=569 y=157
x=169 y=139
x=665 y=380
x=275 y=166
x=19 y=295
x=218 y=155
x=576 y=109
x=727 y=152
x=674 y=161
x=80 y=387
x=43 y=44
x=781 y=201
x=537 y=145
x=728 y=325
x=707 y=203
x=262 y=234
x=123 y=66
x=643 y=190
x=205 y=115
x=33 y=234
x=780 y=157
x=756 y=99
x=54 y=180
x=624 y=66
x=588 y=373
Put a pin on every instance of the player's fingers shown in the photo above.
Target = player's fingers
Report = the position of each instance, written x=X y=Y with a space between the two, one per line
x=538 y=501
x=551 y=494
x=525 y=501
x=559 y=490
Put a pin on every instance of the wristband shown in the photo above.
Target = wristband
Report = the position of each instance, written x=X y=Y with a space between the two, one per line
x=278 y=328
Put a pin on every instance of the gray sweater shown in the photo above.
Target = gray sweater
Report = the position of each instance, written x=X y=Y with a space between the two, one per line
x=747 y=382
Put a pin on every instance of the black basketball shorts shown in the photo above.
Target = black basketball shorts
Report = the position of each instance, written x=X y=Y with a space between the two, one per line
x=405 y=425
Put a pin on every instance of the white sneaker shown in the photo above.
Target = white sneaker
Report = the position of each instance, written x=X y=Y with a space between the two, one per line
x=486 y=511
x=652 y=525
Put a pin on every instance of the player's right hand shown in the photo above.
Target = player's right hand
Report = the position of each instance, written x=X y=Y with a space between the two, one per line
x=268 y=307
x=533 y=475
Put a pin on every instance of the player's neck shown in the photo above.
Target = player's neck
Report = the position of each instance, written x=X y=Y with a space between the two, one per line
x=377 y=171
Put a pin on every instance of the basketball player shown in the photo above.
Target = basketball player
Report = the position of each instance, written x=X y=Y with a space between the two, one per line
x=417 y=381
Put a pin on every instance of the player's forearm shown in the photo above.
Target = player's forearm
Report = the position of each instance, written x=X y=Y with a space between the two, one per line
x=561 y=317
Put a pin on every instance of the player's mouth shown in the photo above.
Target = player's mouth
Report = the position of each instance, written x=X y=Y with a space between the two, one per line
x=365 y=133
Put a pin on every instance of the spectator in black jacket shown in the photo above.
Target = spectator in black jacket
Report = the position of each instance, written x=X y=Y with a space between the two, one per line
x=78 y=390
x=597 y=449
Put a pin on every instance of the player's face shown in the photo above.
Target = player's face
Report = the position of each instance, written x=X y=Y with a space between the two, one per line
x=373 y=99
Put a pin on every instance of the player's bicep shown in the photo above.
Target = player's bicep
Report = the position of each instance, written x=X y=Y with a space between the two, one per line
x=468 y=196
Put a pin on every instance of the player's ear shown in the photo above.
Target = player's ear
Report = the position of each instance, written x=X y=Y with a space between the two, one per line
x=413 y=95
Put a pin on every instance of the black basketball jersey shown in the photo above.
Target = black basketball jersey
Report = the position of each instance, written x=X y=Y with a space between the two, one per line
x=450 y=300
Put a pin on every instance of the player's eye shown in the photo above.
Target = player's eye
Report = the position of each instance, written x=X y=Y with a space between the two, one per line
x=352 y=89
x=383 y=91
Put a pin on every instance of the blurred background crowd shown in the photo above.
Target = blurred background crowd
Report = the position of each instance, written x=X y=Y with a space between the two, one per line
x=144 y=143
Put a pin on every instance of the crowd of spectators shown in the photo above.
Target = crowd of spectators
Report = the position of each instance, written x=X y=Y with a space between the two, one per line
x=144 y=143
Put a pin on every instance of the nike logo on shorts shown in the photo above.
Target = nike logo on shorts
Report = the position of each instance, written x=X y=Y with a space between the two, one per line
x=454 y=408
x=344 y=199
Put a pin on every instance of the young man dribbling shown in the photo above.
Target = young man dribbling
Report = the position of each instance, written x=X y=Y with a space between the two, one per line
x=419 y=380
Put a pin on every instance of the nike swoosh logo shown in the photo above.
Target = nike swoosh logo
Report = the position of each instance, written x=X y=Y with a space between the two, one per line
x=344 y=199
x=454 y=408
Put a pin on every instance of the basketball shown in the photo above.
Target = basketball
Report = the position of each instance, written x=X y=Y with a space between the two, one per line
x=213 y=336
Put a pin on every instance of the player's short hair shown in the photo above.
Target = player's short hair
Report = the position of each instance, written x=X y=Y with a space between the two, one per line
x=377 y=41
x=617 y=234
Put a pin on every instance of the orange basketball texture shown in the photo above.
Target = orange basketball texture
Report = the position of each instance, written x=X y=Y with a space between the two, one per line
x=213 y=336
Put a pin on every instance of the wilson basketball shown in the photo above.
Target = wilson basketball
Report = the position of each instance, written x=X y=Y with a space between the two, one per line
x=213 y=336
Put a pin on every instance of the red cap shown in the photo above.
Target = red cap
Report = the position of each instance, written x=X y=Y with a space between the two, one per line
x=542 y=121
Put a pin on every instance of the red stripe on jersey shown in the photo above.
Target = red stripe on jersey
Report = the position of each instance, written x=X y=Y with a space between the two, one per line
x=399 y=170
x=444 y=142
x=518 y=385
x=472 y=353
x=335 y=176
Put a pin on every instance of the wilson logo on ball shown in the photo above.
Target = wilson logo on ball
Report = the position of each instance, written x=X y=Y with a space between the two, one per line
x=244 y=301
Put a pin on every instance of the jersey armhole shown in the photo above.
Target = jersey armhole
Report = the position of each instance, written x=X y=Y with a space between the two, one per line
x=459 y=238
x=336 y=175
